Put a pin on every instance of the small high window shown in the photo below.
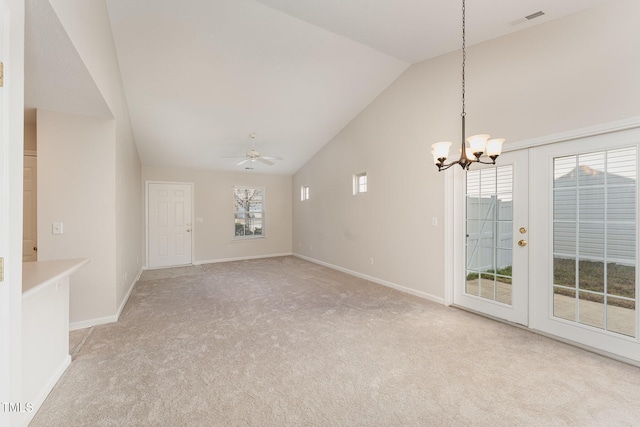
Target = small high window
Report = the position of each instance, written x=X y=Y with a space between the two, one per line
x=304 y=192
x=360 y=183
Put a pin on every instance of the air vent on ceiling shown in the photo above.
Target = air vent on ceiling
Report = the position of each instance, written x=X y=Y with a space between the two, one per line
x=534 y=15
x=527 y=18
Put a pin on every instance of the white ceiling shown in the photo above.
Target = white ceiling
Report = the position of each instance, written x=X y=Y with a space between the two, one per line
x=201 y=75
x=54 y=69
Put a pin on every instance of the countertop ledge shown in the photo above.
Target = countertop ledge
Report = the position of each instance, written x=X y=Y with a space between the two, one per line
x=38 y=274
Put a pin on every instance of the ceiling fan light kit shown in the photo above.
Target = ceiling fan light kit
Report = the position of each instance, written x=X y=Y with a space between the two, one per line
x=478 y=145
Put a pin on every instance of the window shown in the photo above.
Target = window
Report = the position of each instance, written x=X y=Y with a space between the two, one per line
x=304 y=192
x=248 y=211
x=360 y=183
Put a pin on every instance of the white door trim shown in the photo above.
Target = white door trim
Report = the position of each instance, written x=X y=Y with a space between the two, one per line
x=11 y=158
x=7 y=319
x=146 y=215
x=601 y=129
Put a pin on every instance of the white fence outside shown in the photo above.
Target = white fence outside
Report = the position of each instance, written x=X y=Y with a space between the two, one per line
x=489 y=236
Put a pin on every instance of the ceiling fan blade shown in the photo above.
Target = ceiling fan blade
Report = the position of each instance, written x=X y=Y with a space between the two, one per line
x=272 y=158
x=242 y=162
x=232 y=157
x=266 y=162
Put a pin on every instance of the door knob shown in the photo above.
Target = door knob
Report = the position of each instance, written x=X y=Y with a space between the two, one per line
x=522 y=243
x=188 y=230
x=35 y=248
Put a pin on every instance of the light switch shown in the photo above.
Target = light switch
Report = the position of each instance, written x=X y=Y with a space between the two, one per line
x=56 y=228
x=199 y=220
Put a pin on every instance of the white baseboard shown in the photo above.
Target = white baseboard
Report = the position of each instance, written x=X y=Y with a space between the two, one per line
x=213 y=261
x=382 y=282
x=126 y=297
x=46 y=389
x=83 y=324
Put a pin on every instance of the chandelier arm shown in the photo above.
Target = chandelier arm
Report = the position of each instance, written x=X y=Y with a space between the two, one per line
x=445 y=166
x=492 y=162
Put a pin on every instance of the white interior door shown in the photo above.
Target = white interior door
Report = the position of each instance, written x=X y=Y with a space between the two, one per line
x=30 y=210
x=169 y=224
x=585 y=258
x=494 y=258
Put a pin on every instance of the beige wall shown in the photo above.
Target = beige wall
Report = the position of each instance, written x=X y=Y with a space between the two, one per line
x=30 y=139
x=213 y=202
x=563 y=75
x=76 y=186
x=89 y=28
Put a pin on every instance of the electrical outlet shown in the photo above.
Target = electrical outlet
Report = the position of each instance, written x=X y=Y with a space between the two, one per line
x=371 y=261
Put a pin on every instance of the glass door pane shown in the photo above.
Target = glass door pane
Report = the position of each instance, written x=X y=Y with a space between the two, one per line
x=594 y=239
x=489 y=225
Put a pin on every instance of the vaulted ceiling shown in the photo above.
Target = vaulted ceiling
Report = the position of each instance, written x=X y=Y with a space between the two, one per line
x=201 y=75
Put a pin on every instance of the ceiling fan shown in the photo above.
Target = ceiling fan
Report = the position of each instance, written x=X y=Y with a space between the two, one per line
x=253 y=156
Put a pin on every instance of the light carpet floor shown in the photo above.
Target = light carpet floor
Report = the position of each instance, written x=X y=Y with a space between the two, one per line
x=283 y=342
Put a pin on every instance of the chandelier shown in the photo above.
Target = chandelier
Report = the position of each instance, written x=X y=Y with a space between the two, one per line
x=479 y=145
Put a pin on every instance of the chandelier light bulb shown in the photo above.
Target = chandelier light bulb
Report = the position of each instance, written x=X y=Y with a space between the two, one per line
x=469 y=152
x=478 y=143
x=440 y=150
x=435 y=157
x=494 y=147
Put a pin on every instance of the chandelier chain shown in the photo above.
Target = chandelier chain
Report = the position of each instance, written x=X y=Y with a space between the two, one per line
x=479 y=145
x=464 y=57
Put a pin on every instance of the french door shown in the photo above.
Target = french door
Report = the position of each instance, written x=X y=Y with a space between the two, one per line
x=571 y=271
x=495 y=251
x=586 y=256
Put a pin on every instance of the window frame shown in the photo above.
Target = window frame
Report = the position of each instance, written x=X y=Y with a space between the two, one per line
x=304 y=193
x=237 y=211
x=360 y=183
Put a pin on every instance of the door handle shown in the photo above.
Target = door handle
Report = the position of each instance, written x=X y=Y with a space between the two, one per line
x=188 y=230
x=522 y=243
x=35 y=248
